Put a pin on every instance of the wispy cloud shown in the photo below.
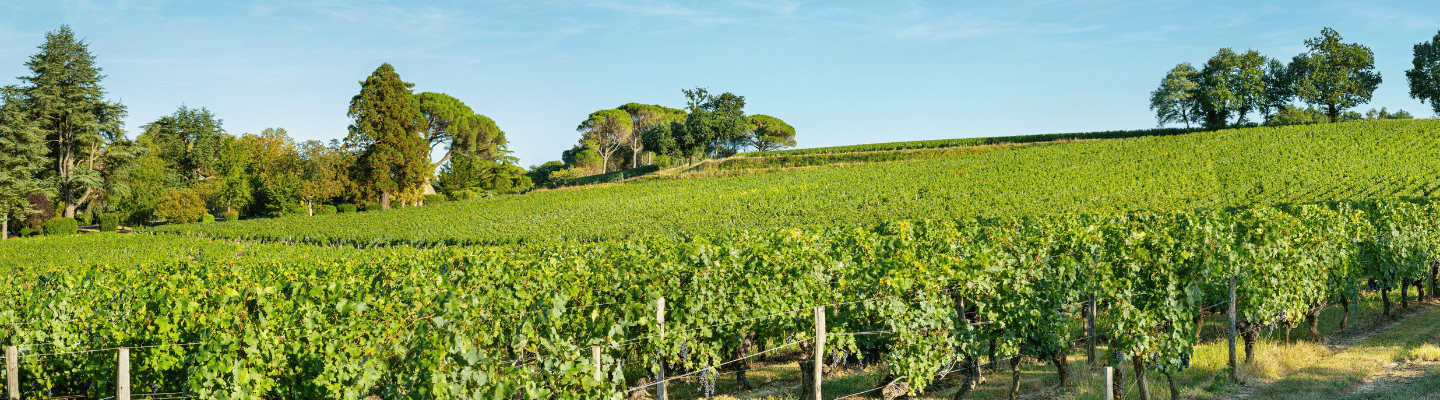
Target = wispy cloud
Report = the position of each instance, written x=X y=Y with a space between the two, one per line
x=1385 y=15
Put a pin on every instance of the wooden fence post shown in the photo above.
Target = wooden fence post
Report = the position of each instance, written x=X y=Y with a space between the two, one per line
x=819 y=349
x=595 y=354
x=1090 y=332
x=1109 y=383
x=122 y=376
x=12 y=371
x=1234 y=374
x=660 y=392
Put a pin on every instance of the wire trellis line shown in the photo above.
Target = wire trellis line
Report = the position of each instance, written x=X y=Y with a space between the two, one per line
x=646 y=386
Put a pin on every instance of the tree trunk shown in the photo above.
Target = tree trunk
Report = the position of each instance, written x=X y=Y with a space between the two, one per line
x=1142 y=384
x=994 y=363
x=1313 y=320
x=1118 y=385
x=1334 y=114
x=1345 y=318
x=1434 y=276
x=385 y=200
x=747 y=347
x=1014 y=378
x=1199 y=323
x=1174 y=391
x=1404 y=294
x=1385 y=299
x=807 y=370
x=1250 y=332
x=1062 y=367
x=1289 y=326
x=4 y=229
x=971 y=370
x=310 y=208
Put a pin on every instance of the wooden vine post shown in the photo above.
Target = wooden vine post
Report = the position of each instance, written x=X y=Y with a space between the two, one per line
x=122 y=375
x=595 y=354
x=1109 y=383
x=660 y=392
x=1234 y=374
x=819 y=350
x=1090 y=331
x=12 y=371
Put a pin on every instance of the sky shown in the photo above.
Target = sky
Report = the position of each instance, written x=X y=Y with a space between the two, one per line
x=839 y=72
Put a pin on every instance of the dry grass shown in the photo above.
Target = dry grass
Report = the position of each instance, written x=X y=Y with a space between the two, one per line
x=1427 y=352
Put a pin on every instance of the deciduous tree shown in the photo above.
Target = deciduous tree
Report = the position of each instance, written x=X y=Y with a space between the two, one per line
x=644 y=117
x=66 y=100
x=394 y=158
x=1425 y=76
x=1176 y=98
x=1335 y=75
x=190 y=141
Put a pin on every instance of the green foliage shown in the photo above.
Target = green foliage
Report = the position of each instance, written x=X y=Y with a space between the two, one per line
x=767 y=133
x=22 y=159
x=26 y=232
x=605 y=131
x=207 y=217
x=450 y=122
x=435 y=199
x=373 y=207
x=63 y=95
x=1231 y=84
x=1206 y=170
x=189 y=141
x=60 y=226
x=469 y=172
x=180 y=206
x=1424 y=77
x=1292 y=115
x=1335 y=75
x=1373 y=115
x=983 y=141
x=109 y=222
x=327 y=209
x=1175 y=99
x=601 y=178
x=345 y=208
x=232 y=216
x=387 y=116
x=713 y=121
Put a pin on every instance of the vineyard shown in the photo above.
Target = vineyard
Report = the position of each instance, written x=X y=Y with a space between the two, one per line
x=1210 y=170
x=924 y=298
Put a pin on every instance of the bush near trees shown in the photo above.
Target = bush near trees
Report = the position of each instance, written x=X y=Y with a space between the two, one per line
x=345 y=208
x=60 y=226
x=373 y=207
x=109 y=223
x=181 y=206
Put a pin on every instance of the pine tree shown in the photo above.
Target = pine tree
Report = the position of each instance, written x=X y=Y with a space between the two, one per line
x=66 y=101
x=394 y=158
x=22 y=159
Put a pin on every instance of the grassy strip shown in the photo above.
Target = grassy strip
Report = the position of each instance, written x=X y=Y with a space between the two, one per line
x=1333 y=377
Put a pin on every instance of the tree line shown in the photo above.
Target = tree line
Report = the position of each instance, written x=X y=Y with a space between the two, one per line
x=1234 y=89
x=64 y=153
x=635 y=135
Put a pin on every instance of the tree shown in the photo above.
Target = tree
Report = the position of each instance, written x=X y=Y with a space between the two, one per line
x=1231 y=84
x=1335 y=75
x=1425 y=76
x=1279 y=90
x=449 y=121
x=607 y=131
x=22 y=159
x=322 y=172
x=1249 y=84
x=180 y=206
x=1175 y=99
x=387 y=116
x=65 y=98
x=769 y=133
x=189 y=141
x=712 y=121
x=643 y=117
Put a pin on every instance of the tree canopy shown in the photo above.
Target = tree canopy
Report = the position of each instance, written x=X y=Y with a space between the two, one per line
x=387 y=116
x=608 y=130
x=1175 y=99
x=1424 y=78
x=22 y=160
x=768 y=133
x=190 y=141
x=64 y=96
x=1335 y=75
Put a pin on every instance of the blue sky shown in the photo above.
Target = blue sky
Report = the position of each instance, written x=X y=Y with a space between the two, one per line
x=840 y=72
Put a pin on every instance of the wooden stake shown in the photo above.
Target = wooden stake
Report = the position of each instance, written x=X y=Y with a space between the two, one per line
x=1109 y=383
x=1090 y=332
x=595 y=354
x=12 y=371
x=122 y=376
x=819 y=349
x=1234 y=373
x=660 y=392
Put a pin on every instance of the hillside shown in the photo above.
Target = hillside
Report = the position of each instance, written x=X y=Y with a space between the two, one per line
x=1348 y=161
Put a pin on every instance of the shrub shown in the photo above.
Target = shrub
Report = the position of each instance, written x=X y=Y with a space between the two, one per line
x=325 y=209
x=26 y=232
x=61 y=226
x=180 y=207
x=232 y=215
x=435 y=198
x=207 y=217
x=345 y=208
x=372 y=207
x=109 y=222
x=82 y=218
